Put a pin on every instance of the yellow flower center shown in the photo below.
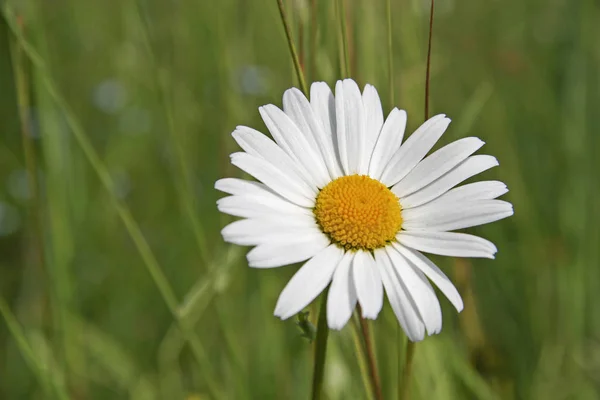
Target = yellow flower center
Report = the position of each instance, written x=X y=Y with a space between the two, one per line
x=358 y=212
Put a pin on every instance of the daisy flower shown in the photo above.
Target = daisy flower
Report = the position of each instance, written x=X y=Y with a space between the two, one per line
x=340 y=190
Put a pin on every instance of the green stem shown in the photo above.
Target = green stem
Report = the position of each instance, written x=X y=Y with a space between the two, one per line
x=399 y=348
x=183 y=182
x=43 y=375
x=390 y=53
x=341 y=6
x=56 y=270
x=301 y=44
x=320 y=349
x=392 y=91
x=428 y=68
x=313 y=40
x=404 y=388
x=36 y=206
x=294 y=54
x=373 y=373
x=359 y=349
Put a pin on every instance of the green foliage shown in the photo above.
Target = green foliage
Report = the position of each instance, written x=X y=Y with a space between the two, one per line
x=114 y=279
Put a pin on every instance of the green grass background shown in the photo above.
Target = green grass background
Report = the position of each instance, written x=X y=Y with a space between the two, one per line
x=144 y=94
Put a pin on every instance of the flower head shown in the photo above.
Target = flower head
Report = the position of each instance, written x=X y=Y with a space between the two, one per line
x=339 y=190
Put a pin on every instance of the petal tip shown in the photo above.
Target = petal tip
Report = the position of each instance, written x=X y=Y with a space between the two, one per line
x=369 y=316
x=335 y=325
x=219 y=184
x=293 y=91
x=415 y=338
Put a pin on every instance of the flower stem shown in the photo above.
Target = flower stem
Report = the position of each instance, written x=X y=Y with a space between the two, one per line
x=374 y=375
x=404 y=388
x=391 y=88
x=294 y=54
x=322 y=328
x=320 y=350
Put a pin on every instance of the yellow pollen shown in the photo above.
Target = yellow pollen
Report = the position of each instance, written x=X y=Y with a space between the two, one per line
x=358 y=212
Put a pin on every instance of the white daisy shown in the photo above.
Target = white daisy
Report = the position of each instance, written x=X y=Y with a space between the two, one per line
x=341 y=190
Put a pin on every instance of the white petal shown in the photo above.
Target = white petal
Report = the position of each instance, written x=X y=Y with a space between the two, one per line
x=452 y=244
x=308 y=282
x=341 y=299
x=259 y=195
x=256 y=206
x=414 y=149
x=374 y=122
x=388 y=142
x=295 y=191
x=258 y=144
x=323 y=105
x=288 y=136
x=437 y=165
x=277 y=254
x=450 y=217
x=484 y=190
x=368 y=284
x=243 y=187
x=297 y=107
x=398 y=297
x=468 y=168
x=350 y=121
x=293 y=104
x=435 y=274
x=250 y=232
x=420 y=291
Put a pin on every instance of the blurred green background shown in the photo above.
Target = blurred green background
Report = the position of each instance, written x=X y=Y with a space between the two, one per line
x=112 y=139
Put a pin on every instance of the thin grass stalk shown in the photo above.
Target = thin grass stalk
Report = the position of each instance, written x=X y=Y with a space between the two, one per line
x=301 y=43
x=391 y=85
x=312 y=71
x=392 y=94
x=345 y=63
x=320 y=350
x=35 y=206
x=367 y=354
x=320 y=346
x=428 y=67
x=404 y=389
x=361 y=357
x=52 y=258
x=183 y=182
x=292 y=47
x=372 y=362
x=49 y=385
x=133 y=229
